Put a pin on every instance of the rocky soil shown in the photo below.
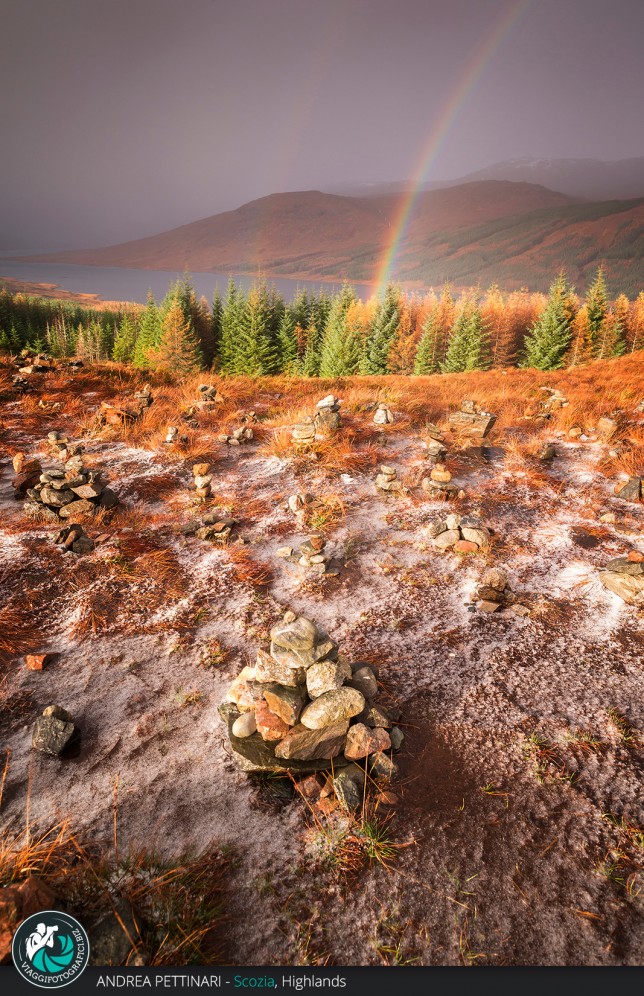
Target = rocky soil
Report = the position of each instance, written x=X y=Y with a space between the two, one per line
x=515 y=668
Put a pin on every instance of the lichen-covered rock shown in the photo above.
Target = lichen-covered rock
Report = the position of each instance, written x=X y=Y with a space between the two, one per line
x=324 y=676
x=302 y=743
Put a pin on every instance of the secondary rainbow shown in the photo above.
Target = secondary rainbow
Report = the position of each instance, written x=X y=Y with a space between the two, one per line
x=485 y=52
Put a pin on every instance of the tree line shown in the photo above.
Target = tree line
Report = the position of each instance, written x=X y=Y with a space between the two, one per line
x=320 y=334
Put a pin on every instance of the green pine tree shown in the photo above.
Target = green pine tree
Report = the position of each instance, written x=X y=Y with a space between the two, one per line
x=231 y=328
x=468 y=347
x=216 y=316
x=341 y=346
x=549 y=338
x=382 y=333
x=178 y=350
x=597 y=305
x=125 y=340
x=150 y=329
x=287 y=344
x=257 y=353
x=426 y=361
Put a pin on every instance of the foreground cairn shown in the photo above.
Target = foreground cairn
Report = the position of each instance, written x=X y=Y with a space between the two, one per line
x=125 y=414
x=436 y=451
x=311 y=557
x=494 y=593
x=304 y=708
x=214 y=526
x=202 y=481
x=387 y=480
x=624 y=576
x=69 y=492
x=383 y=415
x=244 y=434
x=327 y=415
x=471 y=422
x=439 y=484
x=459 y=533
x=74 y=538
x=34 y=363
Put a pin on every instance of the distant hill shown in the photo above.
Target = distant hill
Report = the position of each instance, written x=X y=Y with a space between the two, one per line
x=593 y=179
x=513 y=233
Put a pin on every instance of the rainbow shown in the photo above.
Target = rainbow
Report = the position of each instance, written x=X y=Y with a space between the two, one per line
x=474 y=70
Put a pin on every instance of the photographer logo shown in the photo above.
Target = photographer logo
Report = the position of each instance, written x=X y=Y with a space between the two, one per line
x=50 y=949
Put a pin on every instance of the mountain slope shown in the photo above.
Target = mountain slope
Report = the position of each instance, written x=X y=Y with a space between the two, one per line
x=512 y=233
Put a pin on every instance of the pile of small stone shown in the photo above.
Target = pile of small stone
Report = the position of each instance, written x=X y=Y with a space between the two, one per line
x=632 y=490
x=436 y=451
x=459 y=533
x=383 y=415
x=625 y=577
x=303 y=433
x=303 y=708
x=213 y=526
x=311 y=557
x=554 y=399
x=471 y=422
x=68 y=492
x=299 y=504
x=243 y=434
x=124 y=414
x=75 y=539
x=327 y=415
x=387 y=480
x=439 y=484
x=207 y=397
x=202 y=481
x=494 y=593
x=173 y=436
x=30 y=363
x=61 y=447
x=54 y=732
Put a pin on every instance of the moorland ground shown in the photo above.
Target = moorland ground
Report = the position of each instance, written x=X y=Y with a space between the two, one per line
x=519 y=799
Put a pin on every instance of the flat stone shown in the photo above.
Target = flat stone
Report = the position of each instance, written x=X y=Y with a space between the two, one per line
x=80 y=509
x=520 y=610
x=325 y=676
x=297 y=636
x=479 y=536
x=624 y=565
x=305 y=744
x=629 y=588
x=631 y=491
x=285 y=702
x=364 y=740
x=108 y=498
x=486 y=606
x=87 y=490
x=269 y=669
x=57 y=497
x=82 y=545
x=333 y=707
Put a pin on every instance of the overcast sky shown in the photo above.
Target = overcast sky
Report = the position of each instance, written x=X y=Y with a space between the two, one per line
x=122 y=118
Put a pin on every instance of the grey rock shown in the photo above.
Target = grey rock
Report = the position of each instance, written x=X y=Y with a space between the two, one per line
x=365 y=681
x=245 y=725
x=77 y=509
x=479 y=536
x=348 y=785
x=622 y=565
x=382 y=766
x=632 y=490
x=113 y=936
x=57 y=497
x=333 y=707
x=396 y=736
x=325 y=676
x=447 y=539
x=52 y=735
x=252 y=754
x=269 y=669
x=285 y=702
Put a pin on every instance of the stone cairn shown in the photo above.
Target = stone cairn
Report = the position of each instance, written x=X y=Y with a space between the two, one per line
x=125 y=414
x=303 y=708
x=244 y=434
x=207 y=401
x=67 y=492
x=439 y=485
x=29 y=362
x=471 y=422
x=436 y=450
x=54 y=732
x=459 y=533
x=387 y=480
x=311 y=557
x=631 y=490
x=173 y=436
x=327 y=419
x=541 y=409
x=494 y=593
x=74 y=539
x=213 y=526
x=383 y=415
x=202 y=481
x=624 y=576
x=300 y=504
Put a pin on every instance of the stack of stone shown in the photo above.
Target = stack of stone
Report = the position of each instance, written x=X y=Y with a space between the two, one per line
x=242 y=435
x=21 y=384
x=459 y=533
x=202 y=481
x=144 y=398
x=632 y=490
x=304 y=708
x=625 y=577
x=471 y=422
x=28 y=473
x=327 y=415
x=72 y=492
x=54 y=732
x=62 y=448
x=173 y=436
x=554 y=400
x=303 y=432
x=494 y=593
x=439 y=484
x=74 y=538
x=383 y=415
x=298 y=504
x=207 y=398
x=387 y=480
x=311 y=557
x=213 y=526
x=30 y=362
